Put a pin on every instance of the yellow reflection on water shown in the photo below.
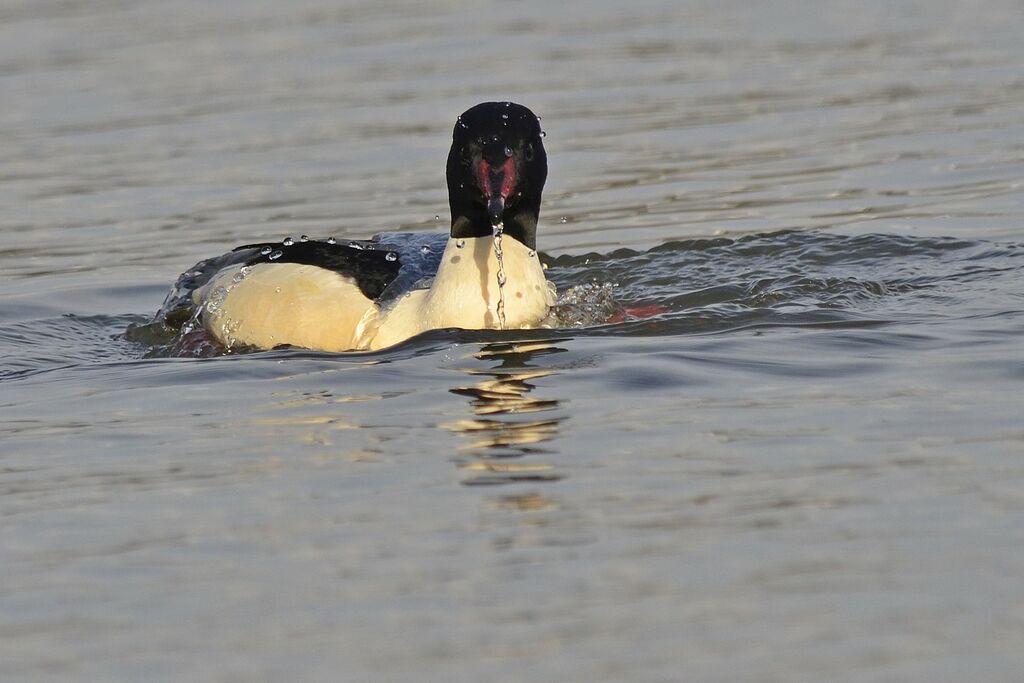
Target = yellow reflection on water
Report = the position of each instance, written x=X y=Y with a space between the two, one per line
x=496 y=430
x=530 y=502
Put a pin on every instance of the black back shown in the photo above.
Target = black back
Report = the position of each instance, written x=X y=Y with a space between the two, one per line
x=370 y=267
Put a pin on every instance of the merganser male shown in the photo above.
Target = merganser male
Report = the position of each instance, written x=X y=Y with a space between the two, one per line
x=350 y=296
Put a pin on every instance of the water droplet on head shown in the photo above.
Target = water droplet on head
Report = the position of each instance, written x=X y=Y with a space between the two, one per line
x=304 y=238
x=331 y=240
x=494 y=138
x=437 y=216
x=391 y=256
x=425 y=249
x=459 y=244
x=531 y=253
x=276 y=255
x=463 y=125
x=287 y=241
x=538 y=118
x=504 y=116
x=543 y=134
x=355 y=245
x=265 y=250
x=508 y=151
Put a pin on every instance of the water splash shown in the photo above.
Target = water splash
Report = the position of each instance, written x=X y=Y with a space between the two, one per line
x=496 y=231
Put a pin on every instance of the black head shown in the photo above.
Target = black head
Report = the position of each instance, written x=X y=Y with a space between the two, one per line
x=496 y=172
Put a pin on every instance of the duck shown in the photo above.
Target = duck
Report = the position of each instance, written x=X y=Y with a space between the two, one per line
x=365 y=295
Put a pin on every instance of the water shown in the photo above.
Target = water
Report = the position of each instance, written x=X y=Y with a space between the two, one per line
x=778 y=438
x=499 y=257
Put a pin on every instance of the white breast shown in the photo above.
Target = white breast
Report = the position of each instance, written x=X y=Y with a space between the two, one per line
x=315 y=308
x=465 y=293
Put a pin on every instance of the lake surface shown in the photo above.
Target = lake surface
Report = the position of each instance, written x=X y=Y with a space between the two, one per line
x=809 y=465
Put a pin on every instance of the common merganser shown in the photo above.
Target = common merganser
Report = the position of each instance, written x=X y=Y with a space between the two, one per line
x=361 y=295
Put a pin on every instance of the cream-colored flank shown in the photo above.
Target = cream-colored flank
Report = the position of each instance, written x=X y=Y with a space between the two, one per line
x=314 y=308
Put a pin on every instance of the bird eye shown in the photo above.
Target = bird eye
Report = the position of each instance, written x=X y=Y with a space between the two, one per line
x=528 y=152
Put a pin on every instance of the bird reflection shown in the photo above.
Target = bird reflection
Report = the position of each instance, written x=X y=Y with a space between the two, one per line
x=508 y=423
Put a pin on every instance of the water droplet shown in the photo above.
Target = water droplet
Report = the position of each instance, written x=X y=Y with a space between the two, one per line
x=355 y=245
x=543 y=134
x=538 y=118
x=459 y=244
x=504 y=116
x=265 y=250
x=462 y=186
x=287 y=241
x=499 y=256
x=278 y=290
x=563 y=219
x=276 y=255
x=494 y=138
x=508 y=104
x=331 y=240
x=531 y=253
x=391 y=256
x=304 y=238
x=425 y=249
x=508 y=151
x=437 y=216
x=463 y=125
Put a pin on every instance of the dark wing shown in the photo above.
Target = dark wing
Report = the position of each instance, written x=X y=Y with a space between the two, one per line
x=372 y=269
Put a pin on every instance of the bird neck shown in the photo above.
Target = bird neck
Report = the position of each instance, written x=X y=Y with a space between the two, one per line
x=519 y=223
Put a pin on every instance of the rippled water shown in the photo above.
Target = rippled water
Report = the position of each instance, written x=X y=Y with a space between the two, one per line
x=777 y=436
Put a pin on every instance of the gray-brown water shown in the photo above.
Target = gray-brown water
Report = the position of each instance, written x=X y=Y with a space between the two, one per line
x=810 y=466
